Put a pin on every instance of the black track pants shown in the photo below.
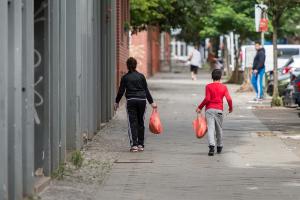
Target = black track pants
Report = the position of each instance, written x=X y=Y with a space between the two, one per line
x=136 y=129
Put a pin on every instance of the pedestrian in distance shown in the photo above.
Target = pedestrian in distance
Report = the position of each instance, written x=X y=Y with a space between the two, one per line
x=213 y=103
x=211 y=58
x=134 y=85
x=258 y=71
x=195 y=59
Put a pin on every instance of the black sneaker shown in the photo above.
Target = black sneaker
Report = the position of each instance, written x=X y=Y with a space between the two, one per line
x=219 y=150
x=211 y=151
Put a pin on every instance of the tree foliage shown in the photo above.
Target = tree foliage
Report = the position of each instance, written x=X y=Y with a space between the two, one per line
x=197 y=19
x=192 y=23
x=150 y=12
x=167 y=14
x=230 y=15
x=211 y=18
x=290 y=23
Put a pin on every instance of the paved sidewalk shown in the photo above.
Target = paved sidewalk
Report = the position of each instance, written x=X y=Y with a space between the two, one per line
x=255 y=165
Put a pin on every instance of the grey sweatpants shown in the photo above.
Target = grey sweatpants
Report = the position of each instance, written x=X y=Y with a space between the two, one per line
x=214 y=119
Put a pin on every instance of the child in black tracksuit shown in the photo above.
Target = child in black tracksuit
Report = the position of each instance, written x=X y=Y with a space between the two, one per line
x=134 y=85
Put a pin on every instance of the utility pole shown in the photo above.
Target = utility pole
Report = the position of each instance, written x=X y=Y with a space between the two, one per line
x=262 y=38
x=263 y=16
x=261 y=22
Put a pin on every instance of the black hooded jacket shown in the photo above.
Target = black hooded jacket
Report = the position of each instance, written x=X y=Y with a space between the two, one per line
x=259 y=60
x=135 y=86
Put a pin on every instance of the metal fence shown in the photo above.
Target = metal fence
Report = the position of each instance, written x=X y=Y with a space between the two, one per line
x=57 y=82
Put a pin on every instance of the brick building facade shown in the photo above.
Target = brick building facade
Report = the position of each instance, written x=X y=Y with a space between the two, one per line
x=123 y=17
x=145 y=46
x=154 y=39
x=138 y=50
x=165 y=52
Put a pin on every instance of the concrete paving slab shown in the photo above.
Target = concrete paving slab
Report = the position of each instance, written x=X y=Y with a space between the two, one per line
x=251 y=166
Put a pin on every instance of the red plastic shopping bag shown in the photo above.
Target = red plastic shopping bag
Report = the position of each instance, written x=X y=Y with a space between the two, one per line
x=155 y=125
x=200 y=126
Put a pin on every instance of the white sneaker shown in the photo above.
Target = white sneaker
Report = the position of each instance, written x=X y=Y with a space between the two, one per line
x=140 y=148
x=134 y=149
x=255 y=100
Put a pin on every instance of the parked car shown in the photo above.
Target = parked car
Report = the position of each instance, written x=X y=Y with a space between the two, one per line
x=289 y=93
x=296 y=94
x=285 y=55
x=292 y=64
x=283 y=82
x=284 y=75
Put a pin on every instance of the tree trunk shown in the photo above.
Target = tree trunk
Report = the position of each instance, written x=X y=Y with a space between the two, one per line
x=236 y=76
x=276 y=101
x=246 y=86
x=226 y=63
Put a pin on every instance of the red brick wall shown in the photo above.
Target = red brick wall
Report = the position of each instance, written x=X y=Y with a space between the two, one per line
x=123 y=13
x=145 y=47
x=168 y=48
x=139 y=50
x=154 y=36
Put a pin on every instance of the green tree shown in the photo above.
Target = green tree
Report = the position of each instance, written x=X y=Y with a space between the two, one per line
x=193 y=13
x=276 y=11
x=290 y=26
x=227 y=16
x=166 y=14
x=212 y=18
x=150 y=12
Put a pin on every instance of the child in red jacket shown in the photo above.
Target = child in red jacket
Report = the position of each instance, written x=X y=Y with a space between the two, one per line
x=213 y=102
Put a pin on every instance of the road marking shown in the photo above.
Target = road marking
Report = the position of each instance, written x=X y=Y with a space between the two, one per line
x=123 y=161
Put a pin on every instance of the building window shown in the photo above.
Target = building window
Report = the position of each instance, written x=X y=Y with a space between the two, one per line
x=182 y=50
x=186 y=50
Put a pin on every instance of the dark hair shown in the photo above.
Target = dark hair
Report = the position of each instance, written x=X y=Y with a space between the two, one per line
x=131 y=64
x=257 y=42
x=216 y=74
